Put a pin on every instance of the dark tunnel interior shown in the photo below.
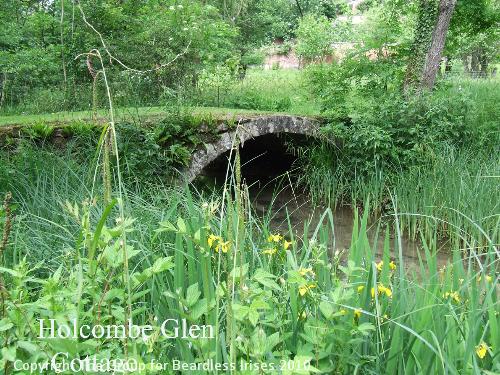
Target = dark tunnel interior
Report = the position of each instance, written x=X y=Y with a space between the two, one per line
x=263 y=160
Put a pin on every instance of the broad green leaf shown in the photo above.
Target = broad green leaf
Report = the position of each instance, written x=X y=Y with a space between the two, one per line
x=162 y=264
x=239 y=311
x=181 y=225
x=267 y=279
x=166 y=226
x=253 y=316
x=192 y=294
x=5 y=325
x=326 y=309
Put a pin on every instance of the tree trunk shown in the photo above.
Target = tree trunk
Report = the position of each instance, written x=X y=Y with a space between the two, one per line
x=3 y=93
x=421 y=43
x=474 y=64
x=465 y=62
x=483 y=60
x=435 y=51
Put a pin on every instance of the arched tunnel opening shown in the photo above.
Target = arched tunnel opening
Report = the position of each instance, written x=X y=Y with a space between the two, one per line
x=266 y=160
x=269 y=168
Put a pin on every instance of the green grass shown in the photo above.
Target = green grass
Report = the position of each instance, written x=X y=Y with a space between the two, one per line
x=122 y=114
x=295 y=305
x=261 y=92
x=281 y=90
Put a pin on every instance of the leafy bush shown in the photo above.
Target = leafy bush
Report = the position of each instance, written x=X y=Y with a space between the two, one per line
x=216 y=83
x=379 y=128
x=154 y=152
x=314 y=37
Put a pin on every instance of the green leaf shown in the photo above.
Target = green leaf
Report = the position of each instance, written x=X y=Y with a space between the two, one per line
x=326 y=309
x=238 y=272
x=181 y=225
x=9 y=271
x=272 y=341
x=265 y=278
x=365 y=328
x=5 y=325
x=162 y=264
x=114 y=293
x=253 y=316
x=239 y=311
x=166 y=226
x=9 y=354
x=192 y=294
x=28 y=346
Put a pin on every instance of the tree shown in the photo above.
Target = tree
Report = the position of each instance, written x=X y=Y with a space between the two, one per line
x=430 y=37
x=474 y=35
x=435 y=51
x=314 y=37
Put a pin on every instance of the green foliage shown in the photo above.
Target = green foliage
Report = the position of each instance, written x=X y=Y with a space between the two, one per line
x=281 y=90
x=314 y=37
x=216 y=82
x=38 y=131
x=298 y=304
x=153 y=153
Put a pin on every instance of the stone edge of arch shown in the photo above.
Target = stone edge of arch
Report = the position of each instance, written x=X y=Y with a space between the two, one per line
x=245 y=131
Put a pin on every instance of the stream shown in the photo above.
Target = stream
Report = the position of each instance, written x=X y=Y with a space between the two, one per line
x=295 y=206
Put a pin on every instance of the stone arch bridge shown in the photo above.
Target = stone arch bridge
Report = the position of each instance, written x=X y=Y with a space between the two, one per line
x=246 y=129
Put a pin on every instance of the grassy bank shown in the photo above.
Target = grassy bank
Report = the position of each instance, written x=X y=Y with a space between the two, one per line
x=284 y=301
x=129 y=114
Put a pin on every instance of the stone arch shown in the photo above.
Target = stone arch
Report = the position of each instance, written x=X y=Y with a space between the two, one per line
x=248 y=129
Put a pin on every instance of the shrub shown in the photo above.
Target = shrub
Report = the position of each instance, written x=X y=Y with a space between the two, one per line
x=314 y=37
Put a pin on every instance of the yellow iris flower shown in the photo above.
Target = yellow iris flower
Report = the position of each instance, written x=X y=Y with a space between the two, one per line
x=304 y=289
x=382 y=290
x=274 y=238
x=271 y=251
x=482 y=349
x=222 y=246
x=212 y=239
x=453 y=295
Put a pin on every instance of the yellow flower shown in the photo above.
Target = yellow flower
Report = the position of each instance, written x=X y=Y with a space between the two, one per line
x=303 y=315
x=360 y=288
x=305 y=271
x=381 y=289
x=303 y=289
x=379 y=265
x=488 y=278
x=357 y=314
x=392 y=265
x=286 y=244
x=211 y=239
x=274 y=238
x=270 y=251
x=342 y=312
x=224 y=246
x=453 y=295
x=387 y=291
x=482 y=349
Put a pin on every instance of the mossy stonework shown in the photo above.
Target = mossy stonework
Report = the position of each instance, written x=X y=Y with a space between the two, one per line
x=247 y=129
